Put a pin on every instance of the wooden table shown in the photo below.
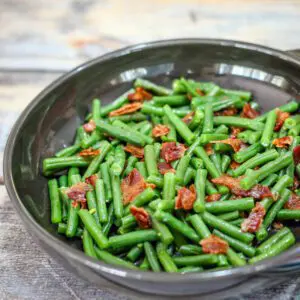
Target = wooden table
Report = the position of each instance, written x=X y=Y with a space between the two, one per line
x=40 y=40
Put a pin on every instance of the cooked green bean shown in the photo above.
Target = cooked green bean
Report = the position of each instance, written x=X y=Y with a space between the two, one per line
x=88 y=245
x=200 y=180
x=56 y=206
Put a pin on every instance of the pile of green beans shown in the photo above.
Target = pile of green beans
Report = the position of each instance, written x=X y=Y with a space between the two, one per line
x=171 y=241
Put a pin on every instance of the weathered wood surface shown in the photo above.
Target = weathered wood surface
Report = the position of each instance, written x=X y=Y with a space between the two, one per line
x=41 y=39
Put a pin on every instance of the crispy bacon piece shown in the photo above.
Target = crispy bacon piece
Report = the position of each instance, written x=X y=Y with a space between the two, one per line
x=189 y=96
x=253 y=222
x=142 y=216
x=296 y=183
x=77 y=193
x=248 y=112
x=296 y=154
x=164 y=168
x=277 y=225
x=258 y=191
x=126 y=109
x=293 y=202
x=185 y=198
x=230 y=111
x=89 y=152
x=134 y=150
x=213 y=198
x=234 y=165
x=90 y=126
x=187 y=119
x=214 y=245
x=132 y=185
x=139 y=95
x=160 y=130
x=209 y=149
x=281 y=117
x=235 y=131
x=283 y=142
x=170 y=151
x=91 y=179
x=236 y=144
x=199 y=92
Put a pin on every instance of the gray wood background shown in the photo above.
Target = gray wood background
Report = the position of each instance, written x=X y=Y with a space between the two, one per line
x=40 y=40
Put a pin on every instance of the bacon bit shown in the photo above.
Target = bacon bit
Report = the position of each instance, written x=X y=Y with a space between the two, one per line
x=187 y=119
x=142 y=216
x=293 y=202
x=295 y=183
x=77 y=193
x=90 y=126
x=248 y=112
x=235 y=131
x=164 y=168
x=189 y=96
x=253 y=222
x=134 y=150
x=160 y=130
x=126 y=109
x=199 y=92
x=150 y=185
x=277 y=225
x=283 y=142
x=91 y=179
x=170 y=151
x=234 y=165
x=258 y=191
x=231 y=111
x=214 y=245
x=213 y=198
x=209 y=149
x=132 y=185
x=281 y=117
x=296 y=154
x=236 y=144
x=139 y=95
x=185 y=198
x=89 y=152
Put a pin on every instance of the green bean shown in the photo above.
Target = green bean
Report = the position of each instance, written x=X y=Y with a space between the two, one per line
x=88 y=245
x=226 y=227
x=152 y=257
x=153 y=204
x=245 y=154
x=169 y=186
x=229 y=205
x=190 y=250
x=249 y=136
x=106 y=180
x=208 y=124
x=159 y=111
x=119 y=161
x=54 y=164
x=165 y=259
x=210 y=188
x=132 y=238
x=234 y=259
x=196 y=260
x=116 y=195
x=72 y=171
x=229 y=216
x=225 y=197
x=172 y=100
x=242 y=94
x=101 y=202
x=56 y=206
x=62 y=228
x=96 y=109
x=196 y=163
x=206 y=138
x=89 y=141
x=239 y=122
x=257 y=160
x=288 y=214
x=294 y=131
x=173 y=222
x=189 y=175
x=120 y=101
x=225 y=162
x=190 y=269
x=63 y=181
x=197 y=119
x=146 y=129
x=130 y=165
x=236 y=244
x=167 y=205
x=191 y=149
x=150 y=160
x=92 y=204
x=81 y=134
x=273 y=240
x=68 y=151
x=136 y=117
x=270 y=180
x=163 y=231
x=199 y=226
x=254 y=177
x=157 y=180
x=93 y=228
x=237 y=222
x=95 y=163
x=283 y=244
x=141 y=167
x=200 y=179
x=135 y=253
x=182 y=167
x=180 y=126
x=148 y=85
x=145 y=264
x=113 y=260
x=110 y=219
x=216 y=159
x=268 y=129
